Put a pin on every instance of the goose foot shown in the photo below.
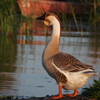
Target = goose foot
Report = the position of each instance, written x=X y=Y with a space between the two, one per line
x=74 y=94
x=60 y=95
x=57 y=97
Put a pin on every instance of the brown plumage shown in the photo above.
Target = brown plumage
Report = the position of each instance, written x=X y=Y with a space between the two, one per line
x=68 y=62
x=68 y=71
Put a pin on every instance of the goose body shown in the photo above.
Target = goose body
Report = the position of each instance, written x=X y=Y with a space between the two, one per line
x=68 y=71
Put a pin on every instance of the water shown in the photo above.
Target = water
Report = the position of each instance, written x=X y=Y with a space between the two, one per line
x=21 y=71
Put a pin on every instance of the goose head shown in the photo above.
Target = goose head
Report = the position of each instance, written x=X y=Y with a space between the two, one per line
x=48 y=18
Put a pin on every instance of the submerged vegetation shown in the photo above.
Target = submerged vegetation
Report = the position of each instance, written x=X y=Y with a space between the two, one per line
x=93 y=91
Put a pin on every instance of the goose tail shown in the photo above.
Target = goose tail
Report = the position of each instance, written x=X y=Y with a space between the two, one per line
x=90 y=72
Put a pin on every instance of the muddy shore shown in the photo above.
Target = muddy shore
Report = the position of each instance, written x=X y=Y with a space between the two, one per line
x=64 y=98
x=79 y=97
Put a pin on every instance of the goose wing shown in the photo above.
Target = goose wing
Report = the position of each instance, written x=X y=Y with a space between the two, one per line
x=69 y=63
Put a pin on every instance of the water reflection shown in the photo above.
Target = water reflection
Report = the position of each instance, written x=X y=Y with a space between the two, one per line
x=21 y=72
x=7 y=59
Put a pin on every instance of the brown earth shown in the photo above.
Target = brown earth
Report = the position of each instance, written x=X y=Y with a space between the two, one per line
x=79 y=97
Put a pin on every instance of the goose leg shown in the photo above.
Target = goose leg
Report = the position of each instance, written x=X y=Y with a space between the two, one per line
x=60 y=95
x=74 y=94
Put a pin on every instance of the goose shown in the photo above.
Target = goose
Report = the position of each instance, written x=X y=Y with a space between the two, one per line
x=69 y=72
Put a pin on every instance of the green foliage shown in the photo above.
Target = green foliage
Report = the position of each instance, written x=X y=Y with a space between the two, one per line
x=91 y=17
x=9 y=12
x=93 y=91
x=10 y=16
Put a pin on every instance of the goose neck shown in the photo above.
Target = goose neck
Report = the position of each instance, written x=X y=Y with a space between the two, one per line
x=56 y=29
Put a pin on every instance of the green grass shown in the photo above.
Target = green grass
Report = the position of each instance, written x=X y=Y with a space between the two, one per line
x=93 y=91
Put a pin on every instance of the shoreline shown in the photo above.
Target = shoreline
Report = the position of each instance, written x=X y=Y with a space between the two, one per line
x=79 y=97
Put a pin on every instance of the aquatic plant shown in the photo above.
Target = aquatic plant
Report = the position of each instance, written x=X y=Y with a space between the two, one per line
x=93 y=91
x=91 y=16
x=9 y=14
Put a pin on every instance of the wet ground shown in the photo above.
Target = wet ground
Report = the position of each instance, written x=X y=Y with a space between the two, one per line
x=79 y=97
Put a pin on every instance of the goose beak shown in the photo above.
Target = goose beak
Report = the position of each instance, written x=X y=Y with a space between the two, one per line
x=41 y=17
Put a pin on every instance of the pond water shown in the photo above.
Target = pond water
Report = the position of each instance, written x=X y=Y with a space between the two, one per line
x=21 y=71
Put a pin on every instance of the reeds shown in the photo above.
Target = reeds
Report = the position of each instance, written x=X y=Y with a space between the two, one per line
x=91 y=17
x=10 y=17
x=9 y=14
